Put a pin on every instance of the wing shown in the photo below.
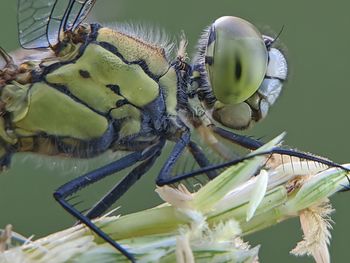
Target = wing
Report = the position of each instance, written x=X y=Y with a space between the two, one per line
x=41 y=22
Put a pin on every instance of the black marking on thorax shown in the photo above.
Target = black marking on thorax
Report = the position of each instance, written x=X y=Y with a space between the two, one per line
x=89 y=148
x=155 y=119
x=84 y=73
x=115 y=88
x=122 y=102
x=67 y=92
x=140 y=62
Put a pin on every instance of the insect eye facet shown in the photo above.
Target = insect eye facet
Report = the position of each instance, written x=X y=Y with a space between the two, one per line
x=238 y=59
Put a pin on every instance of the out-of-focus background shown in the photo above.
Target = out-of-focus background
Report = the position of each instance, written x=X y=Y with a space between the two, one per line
x=312 y=109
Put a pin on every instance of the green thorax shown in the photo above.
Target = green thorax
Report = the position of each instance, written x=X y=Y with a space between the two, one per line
x=77 y=93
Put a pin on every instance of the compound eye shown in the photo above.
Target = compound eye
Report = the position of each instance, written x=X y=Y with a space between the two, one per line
x=236 y=59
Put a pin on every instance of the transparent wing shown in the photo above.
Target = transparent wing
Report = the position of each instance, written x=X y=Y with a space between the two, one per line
x=40 y=22
x=79 y=10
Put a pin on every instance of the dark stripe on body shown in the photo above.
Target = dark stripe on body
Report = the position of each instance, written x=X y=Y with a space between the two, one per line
x=67 y=92
x=115 y=88
x=120 y=103
x=140 y=62
x=83 y=149
x=91 y=147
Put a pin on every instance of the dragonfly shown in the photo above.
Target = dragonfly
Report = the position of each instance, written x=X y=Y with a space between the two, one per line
x=78 y=90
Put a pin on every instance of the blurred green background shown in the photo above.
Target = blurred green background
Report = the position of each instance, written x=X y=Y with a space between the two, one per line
x=312 y=109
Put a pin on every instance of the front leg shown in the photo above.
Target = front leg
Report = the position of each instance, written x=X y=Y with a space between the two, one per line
x=246 y=142
x=77 y=184
x=124 y=185
x=165 y=172
x=253 y=144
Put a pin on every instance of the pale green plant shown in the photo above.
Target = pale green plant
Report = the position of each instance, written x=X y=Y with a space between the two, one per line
x=208 y=225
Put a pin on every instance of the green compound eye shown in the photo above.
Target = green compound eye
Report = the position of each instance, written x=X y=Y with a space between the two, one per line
x=236 y=59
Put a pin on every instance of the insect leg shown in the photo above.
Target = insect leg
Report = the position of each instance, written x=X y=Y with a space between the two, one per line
x=121 y=187
x=252 y=144
x=92 y=177
x=200 y=158
x=249 y=143
x=210 y=168
x=180 y=145
x=244 y=141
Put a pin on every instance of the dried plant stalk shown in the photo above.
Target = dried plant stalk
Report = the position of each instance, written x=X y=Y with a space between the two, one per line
x=207 y=226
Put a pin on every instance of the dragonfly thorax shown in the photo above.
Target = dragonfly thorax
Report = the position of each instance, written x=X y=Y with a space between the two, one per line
x=98 y=90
